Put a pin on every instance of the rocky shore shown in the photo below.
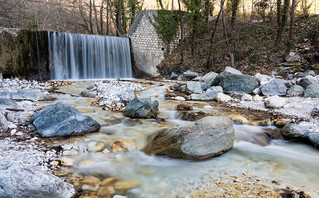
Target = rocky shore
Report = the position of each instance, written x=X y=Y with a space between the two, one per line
x=25 y=119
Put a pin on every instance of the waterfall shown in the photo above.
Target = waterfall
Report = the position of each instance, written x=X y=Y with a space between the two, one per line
x=79 y=56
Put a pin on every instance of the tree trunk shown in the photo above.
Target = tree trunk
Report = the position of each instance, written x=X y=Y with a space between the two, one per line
x=107 y=18
x=231 y=55
x=119 y=33
x=182 y=30
x=90 y=18
x=96 y=20
x=282 y=22
x=210 y=49
x=292 y=21
x=234 y=9
x=85 y=25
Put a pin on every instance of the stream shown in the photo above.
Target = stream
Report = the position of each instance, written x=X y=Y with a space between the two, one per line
x=253 y=152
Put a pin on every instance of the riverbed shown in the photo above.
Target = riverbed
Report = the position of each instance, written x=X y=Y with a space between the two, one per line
x=266 y=164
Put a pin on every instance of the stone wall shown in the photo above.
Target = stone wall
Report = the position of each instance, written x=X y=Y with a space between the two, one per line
x=147 y=48
x=18 y=54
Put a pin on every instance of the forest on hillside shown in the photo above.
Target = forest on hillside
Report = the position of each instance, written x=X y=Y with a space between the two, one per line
x=212 y=33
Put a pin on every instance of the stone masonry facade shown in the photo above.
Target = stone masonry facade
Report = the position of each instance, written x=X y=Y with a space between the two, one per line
x=148 y=49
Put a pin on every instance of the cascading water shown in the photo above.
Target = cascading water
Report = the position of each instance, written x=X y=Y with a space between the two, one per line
x=79 y=56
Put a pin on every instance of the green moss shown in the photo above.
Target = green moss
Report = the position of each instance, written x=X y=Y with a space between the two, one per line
x=166 y=23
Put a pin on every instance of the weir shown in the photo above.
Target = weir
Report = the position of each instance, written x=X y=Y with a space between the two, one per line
x=79 y=56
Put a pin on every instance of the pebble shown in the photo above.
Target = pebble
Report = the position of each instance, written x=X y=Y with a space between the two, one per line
x=19 y=134
x=95 y=146
x=91 y=180
x=240 y=119
x=67 y=161
x=13 y=131
x=109 y=181
x=123 y=146
x=257 y=98
x=54 y=163
x=127 y=184
x=70 y=152
x=11 y=125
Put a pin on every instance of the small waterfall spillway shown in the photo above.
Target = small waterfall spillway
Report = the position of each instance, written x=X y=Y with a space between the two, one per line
x=79 y=56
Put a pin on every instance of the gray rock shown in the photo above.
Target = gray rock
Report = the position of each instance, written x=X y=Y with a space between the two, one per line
x=217 y=88
x=292 y=57
x=88 y=94
x=189 y=75
x=209 y=77
x=6 y=101
x=198 y=78
x=223 y=97
x=206 y=138
x=63 y=120
x=311 y=73
x=206 y=96
x=141 y=108
x=315 y=110
x=274 y=87
x=173 y=76
x=203 y=85
x=180 y=77
x=314 y=138
x=294 y=132
x=262 y=79
x=275 y=102
x=300 y=74
x=305 y=83
x=3 y=123
x=232 y=70
x=23 y=94
x=290 y=76
x=295 y=90
x=235 y=83
x=312 y=79
x=194 y=87
x=21 y=181
x=246 y=97
x=312 y=91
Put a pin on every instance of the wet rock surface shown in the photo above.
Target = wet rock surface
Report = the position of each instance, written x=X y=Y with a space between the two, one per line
x=142 y=108
x=274 y=87
x=236 y=83
x=63 y=120
x=194 y=141
x=23 y=181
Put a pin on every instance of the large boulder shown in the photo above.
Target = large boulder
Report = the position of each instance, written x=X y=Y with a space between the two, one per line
x=312 y=91
x=194 y=87
x=314 y=138
x=63 y=120
x=205 y=138
x=235 y=83
x=295 y=132
x=141 y=108
x=21 y=181
x=275 y=102
x=3 y=123
x=274 y=87
x=189 y=75
x=209 y=78
x=295 y=90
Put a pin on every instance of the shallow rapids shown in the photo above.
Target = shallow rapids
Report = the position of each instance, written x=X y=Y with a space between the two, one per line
x=253 y=151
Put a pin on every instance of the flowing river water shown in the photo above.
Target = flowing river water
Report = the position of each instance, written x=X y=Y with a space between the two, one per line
x=277 y=160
